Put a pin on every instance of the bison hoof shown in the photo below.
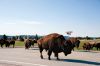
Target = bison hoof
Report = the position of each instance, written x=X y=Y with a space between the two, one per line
x=41 y=57
x=58 y=59
x=49 y=58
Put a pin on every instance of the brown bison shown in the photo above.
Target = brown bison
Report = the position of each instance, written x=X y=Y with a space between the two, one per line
x=7 y=43
x=2 y=42
x=75 y=41
x=55 y=43
x=97 y=45
x=29 y=42
x=89 y=45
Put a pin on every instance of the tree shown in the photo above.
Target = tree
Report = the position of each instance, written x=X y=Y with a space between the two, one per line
x=5 y=37
x=14 y=38
x=21 y=38
x=88 y=38
x=36 y=37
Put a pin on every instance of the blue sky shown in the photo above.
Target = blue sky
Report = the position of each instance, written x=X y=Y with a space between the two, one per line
x=50 y=16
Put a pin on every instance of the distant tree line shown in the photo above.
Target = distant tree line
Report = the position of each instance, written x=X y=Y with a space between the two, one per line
x=88 y=38
x=20 y=37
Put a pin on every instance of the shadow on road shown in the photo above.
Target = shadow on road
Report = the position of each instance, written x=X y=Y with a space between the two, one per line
x=81 y=61
x=34 y=48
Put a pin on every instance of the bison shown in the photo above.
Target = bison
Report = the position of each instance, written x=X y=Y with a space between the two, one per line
x=8 y=43
x=2 y=42
x=29 y=42
x=89 y=45
x=97 y=45
x=55 y=43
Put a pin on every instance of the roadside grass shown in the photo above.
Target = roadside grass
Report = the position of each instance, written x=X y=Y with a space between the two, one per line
x=84 y=41
x=21 y=44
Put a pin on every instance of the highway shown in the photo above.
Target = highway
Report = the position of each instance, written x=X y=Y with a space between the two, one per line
x=31 y=57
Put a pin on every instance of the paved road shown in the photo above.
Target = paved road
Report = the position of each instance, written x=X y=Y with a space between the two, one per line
x=31 y=57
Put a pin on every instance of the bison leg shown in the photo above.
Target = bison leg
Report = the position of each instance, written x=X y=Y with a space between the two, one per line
x=49 y=54
x=56 y=55
x=2 y=45
x=32 y=45
x=97 y=48
x=78 y=47
x=41 y=53
x=6 y=45
x=26 y=46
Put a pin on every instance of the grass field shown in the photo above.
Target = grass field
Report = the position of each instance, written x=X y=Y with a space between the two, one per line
x=84 y=41
x=21 y=44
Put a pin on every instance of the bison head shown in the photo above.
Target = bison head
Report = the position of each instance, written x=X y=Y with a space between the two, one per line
x=67 y=48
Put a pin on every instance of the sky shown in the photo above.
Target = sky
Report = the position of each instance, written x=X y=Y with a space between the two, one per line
x=43 y=17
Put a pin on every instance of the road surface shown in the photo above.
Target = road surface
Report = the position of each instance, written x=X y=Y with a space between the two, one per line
x=31 y=57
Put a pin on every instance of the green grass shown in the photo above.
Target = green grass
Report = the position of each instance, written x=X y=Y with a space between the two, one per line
x=19 y=43
x=81 y=44
x=84 y=41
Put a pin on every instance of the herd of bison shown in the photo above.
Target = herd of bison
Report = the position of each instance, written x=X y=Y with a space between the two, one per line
x=55 y=43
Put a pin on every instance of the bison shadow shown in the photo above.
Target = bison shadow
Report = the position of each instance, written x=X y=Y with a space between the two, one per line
x=80 y=61
x=34 y=48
